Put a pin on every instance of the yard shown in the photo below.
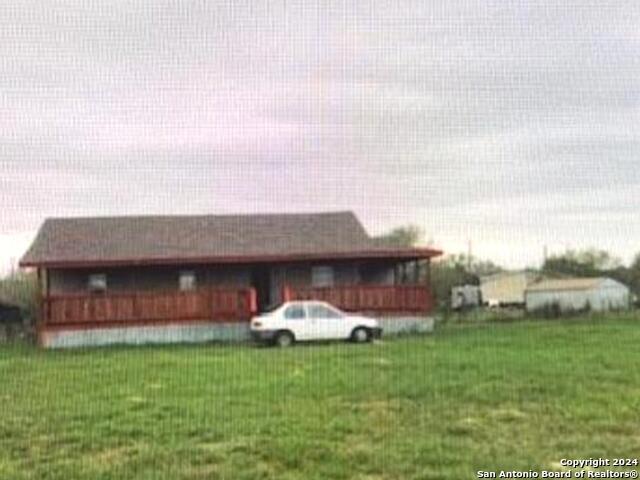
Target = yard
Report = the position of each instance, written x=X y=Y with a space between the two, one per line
x=493 y=396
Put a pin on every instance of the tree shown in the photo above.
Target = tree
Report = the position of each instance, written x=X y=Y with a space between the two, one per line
x=473 y=265
x=634 y=275
x=581 y=263
x=21 y=289
x=406 y=236
x=447 y=272
x=458 y=269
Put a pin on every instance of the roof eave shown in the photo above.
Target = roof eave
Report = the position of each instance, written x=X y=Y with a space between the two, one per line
x=390 y=254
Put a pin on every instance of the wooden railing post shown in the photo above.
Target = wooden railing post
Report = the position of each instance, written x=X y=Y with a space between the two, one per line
x=287 y=294
x=253 y=301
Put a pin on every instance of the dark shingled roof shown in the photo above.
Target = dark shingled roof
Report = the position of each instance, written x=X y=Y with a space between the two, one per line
x=206 y=238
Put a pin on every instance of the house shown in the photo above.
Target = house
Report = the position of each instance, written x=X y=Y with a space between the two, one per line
x=506 y=289
x=576 y=294
x=198 y=278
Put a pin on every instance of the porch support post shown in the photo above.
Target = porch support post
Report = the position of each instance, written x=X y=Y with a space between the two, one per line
x=40 y=300
x=47 y=306
x=427 y=266
x=253 y=301
x=286 y=293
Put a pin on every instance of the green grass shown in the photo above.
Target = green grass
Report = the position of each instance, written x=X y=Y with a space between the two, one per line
x=518 y=395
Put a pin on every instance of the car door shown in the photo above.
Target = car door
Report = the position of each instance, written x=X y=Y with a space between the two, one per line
x=296 y=320
x=327 y=322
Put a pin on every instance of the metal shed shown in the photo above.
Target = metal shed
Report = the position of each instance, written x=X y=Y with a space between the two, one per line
x=575 y=294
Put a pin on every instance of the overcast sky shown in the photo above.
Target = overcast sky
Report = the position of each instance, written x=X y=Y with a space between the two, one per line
x=511 y=123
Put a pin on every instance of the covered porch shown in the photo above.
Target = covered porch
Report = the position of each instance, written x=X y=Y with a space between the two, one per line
x=222 y=293
x=221 y=305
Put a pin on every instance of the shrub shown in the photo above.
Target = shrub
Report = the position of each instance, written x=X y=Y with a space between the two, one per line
x=548 y=310
x=21 y=289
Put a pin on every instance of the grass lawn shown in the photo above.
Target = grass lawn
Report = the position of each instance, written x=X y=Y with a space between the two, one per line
x=492 y=396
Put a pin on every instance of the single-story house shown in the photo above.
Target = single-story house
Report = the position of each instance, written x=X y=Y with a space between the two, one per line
x=576 y=294
x=506 y=289
x=142 y=279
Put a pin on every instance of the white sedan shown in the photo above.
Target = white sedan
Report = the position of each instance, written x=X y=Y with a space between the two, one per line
x=312 y=320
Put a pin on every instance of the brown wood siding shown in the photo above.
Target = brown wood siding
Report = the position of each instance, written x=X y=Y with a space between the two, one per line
x=130 y=279
x=345 y=273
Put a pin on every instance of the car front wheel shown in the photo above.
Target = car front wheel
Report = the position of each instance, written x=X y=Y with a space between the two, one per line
x=361 y=335
x=284 y=339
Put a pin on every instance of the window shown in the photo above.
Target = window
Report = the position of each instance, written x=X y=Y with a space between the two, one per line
x=322 y=311
x=295 y=312
x=97 y=282
x=322 y=276
x=187 y=280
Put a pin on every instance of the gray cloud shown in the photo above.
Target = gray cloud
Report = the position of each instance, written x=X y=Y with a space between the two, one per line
x=512 y=123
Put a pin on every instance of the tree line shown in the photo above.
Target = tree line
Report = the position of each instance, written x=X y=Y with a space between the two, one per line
x=460 y=269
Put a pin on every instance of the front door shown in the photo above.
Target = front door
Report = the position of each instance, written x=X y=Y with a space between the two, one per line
x=261 y=281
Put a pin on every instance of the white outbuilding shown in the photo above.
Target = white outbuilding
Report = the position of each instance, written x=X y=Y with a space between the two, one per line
x=575 y=294
x=506 y=288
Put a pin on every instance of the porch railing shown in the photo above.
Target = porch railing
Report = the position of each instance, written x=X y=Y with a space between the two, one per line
x=218 y=304
x=224 y=304
x=387 y=299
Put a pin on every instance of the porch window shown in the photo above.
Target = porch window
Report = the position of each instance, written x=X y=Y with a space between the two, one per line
x=187 y=280
x=97 y=282
x=322 y=276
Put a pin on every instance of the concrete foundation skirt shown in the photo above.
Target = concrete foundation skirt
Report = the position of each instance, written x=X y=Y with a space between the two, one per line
x=191 y=332
x=188 y=332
